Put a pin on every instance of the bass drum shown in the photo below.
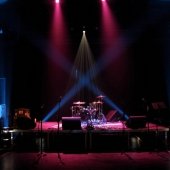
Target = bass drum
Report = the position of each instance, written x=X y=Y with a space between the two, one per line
x=89 y=113
x=76 y=111
x=84 y=114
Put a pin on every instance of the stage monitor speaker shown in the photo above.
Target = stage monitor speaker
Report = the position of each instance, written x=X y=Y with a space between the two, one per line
x=136 y=122
x=71 y=123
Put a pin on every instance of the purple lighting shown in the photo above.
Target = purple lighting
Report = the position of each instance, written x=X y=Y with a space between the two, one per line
x=109 y=25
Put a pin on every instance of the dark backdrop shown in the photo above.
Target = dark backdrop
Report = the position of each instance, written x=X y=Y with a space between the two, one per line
x=25 y=23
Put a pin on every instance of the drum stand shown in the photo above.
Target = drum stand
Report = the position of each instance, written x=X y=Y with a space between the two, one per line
x=89 y=122
x=100 y=116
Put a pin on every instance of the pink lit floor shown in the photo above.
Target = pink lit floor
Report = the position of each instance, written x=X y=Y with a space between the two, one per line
x=113 y=126
x=89 y=161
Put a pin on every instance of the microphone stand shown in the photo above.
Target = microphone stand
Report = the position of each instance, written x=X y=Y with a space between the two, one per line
x=123 y=132
x=41 y=154
x=58 y=127
x=41 y=139
x=146 y=110
x=41 y=134
x=58 y=115
x=123 y=137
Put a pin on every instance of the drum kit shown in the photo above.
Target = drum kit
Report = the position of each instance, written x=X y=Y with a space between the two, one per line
x=93 y=112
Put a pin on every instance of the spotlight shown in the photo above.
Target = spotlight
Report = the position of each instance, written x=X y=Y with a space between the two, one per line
x=3 y=1
x=84 y=31
x=1 y=31
x=57 y=1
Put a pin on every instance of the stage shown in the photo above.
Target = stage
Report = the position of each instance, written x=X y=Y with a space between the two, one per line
x=103 y=137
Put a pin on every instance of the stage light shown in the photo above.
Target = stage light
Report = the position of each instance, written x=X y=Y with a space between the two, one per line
x=84 y=32
x=57 y=1
x=3 y=1
x=85 y=78
x=1 y=31
x=4 y=120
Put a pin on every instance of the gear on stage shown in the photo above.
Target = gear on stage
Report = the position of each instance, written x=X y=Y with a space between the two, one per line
x=91 y=114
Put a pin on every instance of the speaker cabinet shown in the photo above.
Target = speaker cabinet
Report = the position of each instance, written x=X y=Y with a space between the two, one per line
x=136 y=122
x=71 y=123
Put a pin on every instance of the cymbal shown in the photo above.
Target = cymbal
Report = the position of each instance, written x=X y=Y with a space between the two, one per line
x=79 y=103
x=101 y=96
x=93 y=102
x=98 y=102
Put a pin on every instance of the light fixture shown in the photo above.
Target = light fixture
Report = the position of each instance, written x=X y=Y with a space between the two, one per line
x=3 y=1
x=1 y=31
x=57 y=1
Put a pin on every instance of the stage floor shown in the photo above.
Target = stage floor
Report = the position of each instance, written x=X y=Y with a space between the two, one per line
x=108 y=126
x=86 y=161
x=103 y=137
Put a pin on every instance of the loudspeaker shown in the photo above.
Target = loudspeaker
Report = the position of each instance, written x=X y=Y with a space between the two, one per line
x=71 y=123
x=136 y=122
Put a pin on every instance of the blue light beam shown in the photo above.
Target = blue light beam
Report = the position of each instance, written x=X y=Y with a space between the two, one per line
x=108 y=100
x=72 y=92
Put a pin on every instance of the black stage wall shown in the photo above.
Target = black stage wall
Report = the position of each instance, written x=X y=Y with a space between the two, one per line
x=27 y=25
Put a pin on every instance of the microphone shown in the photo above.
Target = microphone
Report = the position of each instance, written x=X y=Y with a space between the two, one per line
x=42 y=106
x=60 y=98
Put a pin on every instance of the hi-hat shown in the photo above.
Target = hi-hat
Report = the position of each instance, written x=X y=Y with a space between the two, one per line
x=98 y=102
x=101 y=96
x=79 y=102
